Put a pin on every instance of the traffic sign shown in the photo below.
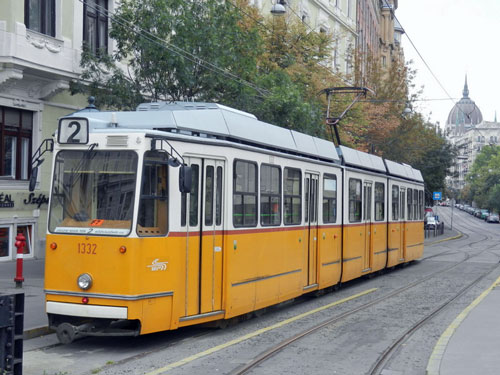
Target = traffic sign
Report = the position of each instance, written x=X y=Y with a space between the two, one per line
x=436 y=195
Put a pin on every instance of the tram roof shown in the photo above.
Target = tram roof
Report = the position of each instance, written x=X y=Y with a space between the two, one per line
x=214 y=120
x=362 y=159
x=403 y=170
x=217 y=120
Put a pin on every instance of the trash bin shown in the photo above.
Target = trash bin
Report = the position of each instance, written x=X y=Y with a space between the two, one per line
x=11 y=333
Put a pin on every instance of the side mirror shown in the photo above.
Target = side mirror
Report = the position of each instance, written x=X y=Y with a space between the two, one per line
x=34 y=175
x=185 y=181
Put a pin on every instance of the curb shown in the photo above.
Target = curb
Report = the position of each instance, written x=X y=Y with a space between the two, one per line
x=434 y=363
x=36 y=332
x=447 y=239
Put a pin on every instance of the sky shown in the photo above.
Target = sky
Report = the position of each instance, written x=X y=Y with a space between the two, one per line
x=455 y=38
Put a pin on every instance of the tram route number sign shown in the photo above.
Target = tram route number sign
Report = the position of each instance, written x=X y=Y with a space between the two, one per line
x=73 y=130
x=436 y=196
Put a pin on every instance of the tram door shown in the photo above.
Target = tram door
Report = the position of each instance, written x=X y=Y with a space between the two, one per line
x=402 y=216
x=311 y=215
x=204 y=253
x=367 y=217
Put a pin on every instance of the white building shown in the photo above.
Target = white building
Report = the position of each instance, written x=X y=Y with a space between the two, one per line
x=337 y=17
x=40 y=45
x=466 y=130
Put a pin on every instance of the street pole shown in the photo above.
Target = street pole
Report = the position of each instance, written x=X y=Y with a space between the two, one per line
x=452 y=206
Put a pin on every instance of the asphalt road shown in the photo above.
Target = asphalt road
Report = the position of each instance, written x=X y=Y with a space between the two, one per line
x=351 y=345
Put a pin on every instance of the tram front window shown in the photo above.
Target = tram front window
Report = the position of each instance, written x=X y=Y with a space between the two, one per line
x=93 y=192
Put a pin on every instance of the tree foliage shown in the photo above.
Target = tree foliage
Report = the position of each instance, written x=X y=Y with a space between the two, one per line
x=275 y=68
x=483 y=180
x=213 y=51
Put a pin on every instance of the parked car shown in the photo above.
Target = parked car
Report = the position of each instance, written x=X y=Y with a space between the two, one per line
x=431 y=223
x=484 y=214
x=492 y=218
x=477 y=212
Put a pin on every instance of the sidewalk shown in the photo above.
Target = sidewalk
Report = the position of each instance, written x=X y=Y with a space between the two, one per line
x=35 y=319
x=470 y=344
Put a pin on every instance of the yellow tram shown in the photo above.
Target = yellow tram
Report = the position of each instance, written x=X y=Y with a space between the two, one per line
x=184 y=213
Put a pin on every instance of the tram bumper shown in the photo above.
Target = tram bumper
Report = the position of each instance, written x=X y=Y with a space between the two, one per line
x=73 y=321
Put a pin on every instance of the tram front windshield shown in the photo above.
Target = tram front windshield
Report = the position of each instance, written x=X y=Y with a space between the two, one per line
x=93 y=192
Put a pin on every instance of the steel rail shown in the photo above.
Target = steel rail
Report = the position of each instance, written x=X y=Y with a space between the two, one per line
x=275 y=349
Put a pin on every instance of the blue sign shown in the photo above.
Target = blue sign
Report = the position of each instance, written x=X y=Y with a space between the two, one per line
x=436 y=196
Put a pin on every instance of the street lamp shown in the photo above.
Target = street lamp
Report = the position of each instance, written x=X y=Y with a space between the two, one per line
x=278 y=8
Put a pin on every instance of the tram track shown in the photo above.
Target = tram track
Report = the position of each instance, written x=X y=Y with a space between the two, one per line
x=267 y=354
x=391 y=350
x=270 y=352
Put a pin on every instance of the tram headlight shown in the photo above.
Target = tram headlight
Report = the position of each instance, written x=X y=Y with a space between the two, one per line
x=84 y=281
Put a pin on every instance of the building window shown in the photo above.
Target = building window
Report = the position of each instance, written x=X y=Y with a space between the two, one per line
x=5 y=241
x=16 y=129
x=8 y=235
x=245 y=194
x=40 y=16
x=270 y=195
x=95 y=25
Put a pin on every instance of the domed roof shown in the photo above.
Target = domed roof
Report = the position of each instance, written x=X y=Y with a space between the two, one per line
x=465 y=112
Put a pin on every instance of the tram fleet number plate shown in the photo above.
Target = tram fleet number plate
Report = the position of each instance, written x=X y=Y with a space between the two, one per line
x=73 y=130
x=87 y=248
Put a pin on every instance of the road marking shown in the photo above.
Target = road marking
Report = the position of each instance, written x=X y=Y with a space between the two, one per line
x=254 y=334
x=434 y=364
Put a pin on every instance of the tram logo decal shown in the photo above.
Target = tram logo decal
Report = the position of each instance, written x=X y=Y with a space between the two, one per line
x=158 y=266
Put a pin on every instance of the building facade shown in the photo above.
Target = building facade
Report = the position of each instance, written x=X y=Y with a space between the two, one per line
x=40 y=46
x=379 y=34
x=469 y=133
x=337 y=17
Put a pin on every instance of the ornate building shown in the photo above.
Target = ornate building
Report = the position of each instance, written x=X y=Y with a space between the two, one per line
x=466 y=129
x=337 y=17
x=379 y=33
x=40 y=45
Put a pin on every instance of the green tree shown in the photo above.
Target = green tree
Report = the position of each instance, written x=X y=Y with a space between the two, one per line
x=173 y=50
x=483 y=180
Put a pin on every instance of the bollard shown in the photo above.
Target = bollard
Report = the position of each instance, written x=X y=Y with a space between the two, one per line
x=20 y=243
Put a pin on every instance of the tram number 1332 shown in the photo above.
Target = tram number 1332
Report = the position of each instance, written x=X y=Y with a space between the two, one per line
x=87 y=248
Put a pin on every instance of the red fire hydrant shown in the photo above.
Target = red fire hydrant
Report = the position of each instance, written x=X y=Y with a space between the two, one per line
x=20 y=244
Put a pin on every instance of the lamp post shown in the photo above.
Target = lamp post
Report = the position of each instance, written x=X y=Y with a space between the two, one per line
x=278 y=8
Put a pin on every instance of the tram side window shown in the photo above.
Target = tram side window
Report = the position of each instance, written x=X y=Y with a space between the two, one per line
x=354 y=200
x=270 y=195
x=415 y=204
x=193 y=199
x=395 y=202
x=409 y=203
x=152 y=219
x=329 y=199
x=245 y=194
x=379 y=201
x=209 y=196
x=218 y=198
x=421 y=204
x=292 y=196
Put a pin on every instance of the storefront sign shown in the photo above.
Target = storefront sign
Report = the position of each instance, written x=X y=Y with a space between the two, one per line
x=6 y=201
x=41 y=199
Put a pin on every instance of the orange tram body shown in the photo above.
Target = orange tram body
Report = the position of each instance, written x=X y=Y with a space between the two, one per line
x=184 y=213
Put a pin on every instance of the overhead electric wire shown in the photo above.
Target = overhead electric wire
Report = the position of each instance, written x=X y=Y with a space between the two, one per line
x=173 y=48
